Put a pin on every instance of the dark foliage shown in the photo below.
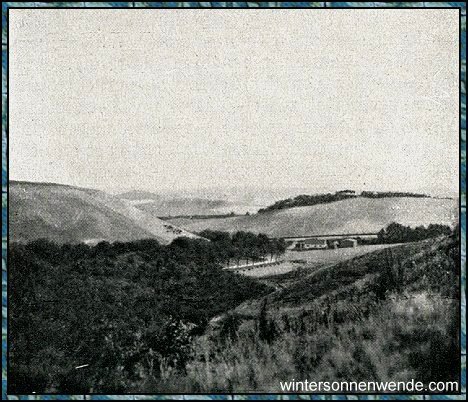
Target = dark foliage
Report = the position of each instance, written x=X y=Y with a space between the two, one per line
x=243 y=245
x=397 y=233
x=309 y=200
x=116 y=309
x=266 y=327
x=387 y=194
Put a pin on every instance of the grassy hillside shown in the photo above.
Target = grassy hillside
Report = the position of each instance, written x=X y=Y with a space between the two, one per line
x=358 y=215
x=68 y=214
x=294 y=263
x=391 y=315
x=305 y=200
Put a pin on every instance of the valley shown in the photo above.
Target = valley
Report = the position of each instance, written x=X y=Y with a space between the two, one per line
x=229 y=302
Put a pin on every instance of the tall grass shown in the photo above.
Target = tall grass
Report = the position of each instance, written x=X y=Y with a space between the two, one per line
x=404 y=339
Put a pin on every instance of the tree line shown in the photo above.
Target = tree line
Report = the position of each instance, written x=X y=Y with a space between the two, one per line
x=398 y=233
x=244 y=245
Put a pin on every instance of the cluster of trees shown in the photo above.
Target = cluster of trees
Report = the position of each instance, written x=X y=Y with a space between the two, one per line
x=97 y=319
x=309 y=200
x=244 y=245
x=397 y=233
x=386 y=194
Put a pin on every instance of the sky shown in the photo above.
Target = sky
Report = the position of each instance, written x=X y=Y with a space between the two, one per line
x=168 y=100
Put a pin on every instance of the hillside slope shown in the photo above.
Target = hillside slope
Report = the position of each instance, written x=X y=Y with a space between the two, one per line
x=359 y=215
x=391 y=315
x=68 y=214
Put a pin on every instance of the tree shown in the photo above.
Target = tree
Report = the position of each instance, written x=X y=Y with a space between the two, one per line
x=397 y=233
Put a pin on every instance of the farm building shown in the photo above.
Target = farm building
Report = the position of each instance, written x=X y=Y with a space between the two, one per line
x=311 y=244
x=291 y=244
x=347 y=243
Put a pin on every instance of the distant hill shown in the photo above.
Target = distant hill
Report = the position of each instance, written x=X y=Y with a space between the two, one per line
x=139 y=195
x=352 y=215
x=170 y=205
x=305 y=200
x=69 y=214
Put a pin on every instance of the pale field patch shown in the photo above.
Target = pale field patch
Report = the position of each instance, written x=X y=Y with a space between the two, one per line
x=311 y=259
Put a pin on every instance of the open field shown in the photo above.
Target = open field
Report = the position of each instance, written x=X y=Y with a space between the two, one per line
x=312 y=259
x=269 y=270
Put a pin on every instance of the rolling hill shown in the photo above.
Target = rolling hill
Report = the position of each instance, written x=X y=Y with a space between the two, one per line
x=357 y=215
x=204 y=201
x=67 y=214
x=159 y=205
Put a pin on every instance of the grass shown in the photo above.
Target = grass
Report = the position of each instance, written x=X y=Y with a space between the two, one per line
x=332 y=256
x=385 y=346
x=38 y=211
x=391 y=315
x=307 y=261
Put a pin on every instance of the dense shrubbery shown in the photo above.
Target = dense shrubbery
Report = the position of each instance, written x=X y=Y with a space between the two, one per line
x=125 y=310
x=305 y=200
x=397 y=233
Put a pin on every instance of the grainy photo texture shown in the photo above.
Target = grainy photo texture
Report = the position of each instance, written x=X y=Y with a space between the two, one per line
x=233 y=201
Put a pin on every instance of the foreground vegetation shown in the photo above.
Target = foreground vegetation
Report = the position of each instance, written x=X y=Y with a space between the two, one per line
x=391 y=315
x=98 y=318
x=141 y=317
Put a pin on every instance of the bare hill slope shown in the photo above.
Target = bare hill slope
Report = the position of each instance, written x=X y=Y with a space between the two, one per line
x=71 y=214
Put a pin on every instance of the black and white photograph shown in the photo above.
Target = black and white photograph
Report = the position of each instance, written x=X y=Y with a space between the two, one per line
x=235 y=201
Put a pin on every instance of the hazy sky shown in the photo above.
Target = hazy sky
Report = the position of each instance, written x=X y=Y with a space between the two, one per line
x=175 y=99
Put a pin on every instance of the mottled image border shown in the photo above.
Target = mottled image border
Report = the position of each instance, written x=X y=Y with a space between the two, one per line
x=462 y=195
